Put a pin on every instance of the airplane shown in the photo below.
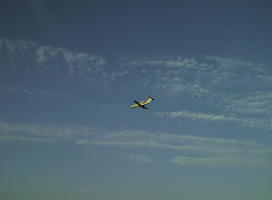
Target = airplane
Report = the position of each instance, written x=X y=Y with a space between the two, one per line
x=142 y=103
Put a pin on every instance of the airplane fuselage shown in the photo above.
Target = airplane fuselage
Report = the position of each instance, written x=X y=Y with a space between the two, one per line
x=142 y=103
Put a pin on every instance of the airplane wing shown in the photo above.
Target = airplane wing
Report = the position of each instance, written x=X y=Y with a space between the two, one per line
x=138 y=104
x=148 y=100
x=134 y=106
x=144 y=107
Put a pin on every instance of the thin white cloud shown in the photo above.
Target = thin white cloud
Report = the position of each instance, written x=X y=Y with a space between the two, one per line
x=74 y=63
x=174 y=142
x=165 y=61
x=233 y=86
x=23 y=139
x=258 y=103
x=89 y=135
x=204 y=147
x=20 y=131
x=197 y=116
x=54 y=59
x=208 y=117
x=219 y=162
x=222 y=83
x=211 y=152
x=57 y=67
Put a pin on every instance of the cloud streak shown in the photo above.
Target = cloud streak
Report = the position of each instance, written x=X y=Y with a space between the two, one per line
x=202 y=147
x=132 y=138
x=203 y=151
x=205 y=117
x=35 y=70
x=49 y=133
x=175 y=142
x=218 y=162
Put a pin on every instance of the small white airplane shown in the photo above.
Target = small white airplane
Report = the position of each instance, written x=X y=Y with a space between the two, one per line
x=142 y=103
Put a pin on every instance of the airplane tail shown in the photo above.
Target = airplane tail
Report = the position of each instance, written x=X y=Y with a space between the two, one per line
x=151 y=97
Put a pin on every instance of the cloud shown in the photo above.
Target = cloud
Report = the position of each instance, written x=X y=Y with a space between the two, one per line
x=218 y=90
x=29 y=69
x=208 y=117
x=224 y=84
x=175 y=142
x=195 y=151
x=31 y=58
x=23 y=139
x=228 y=85
x=218 y=162
x=131 y=138
x=236 y=91
x=208 y=150
x=165 y=61
x=140 y=158
x=197 y=116
x=41 y=133
x=254 y=104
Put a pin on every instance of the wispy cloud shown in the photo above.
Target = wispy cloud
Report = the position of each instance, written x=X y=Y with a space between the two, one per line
x=174 y=142
x=203 y=151
x=131 y=138
x=230 y=85
x=235 y=89
x=258 y=103
x=237 y=92
x=47 y=59
x=197 y=116
x=217 y=118
x=89 y=135
x=165 y=61
x=202 y=147
x=218 y=161
x=40 y=133
x=48 y=71
x=23 y=138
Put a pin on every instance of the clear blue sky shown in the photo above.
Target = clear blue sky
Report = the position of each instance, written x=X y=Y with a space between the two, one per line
x=70 y=70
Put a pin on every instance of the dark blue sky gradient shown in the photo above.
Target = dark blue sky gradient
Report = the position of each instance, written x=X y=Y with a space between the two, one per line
x=157 y=27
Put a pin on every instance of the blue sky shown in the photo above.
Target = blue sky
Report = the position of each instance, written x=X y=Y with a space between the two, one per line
x=69 y=72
